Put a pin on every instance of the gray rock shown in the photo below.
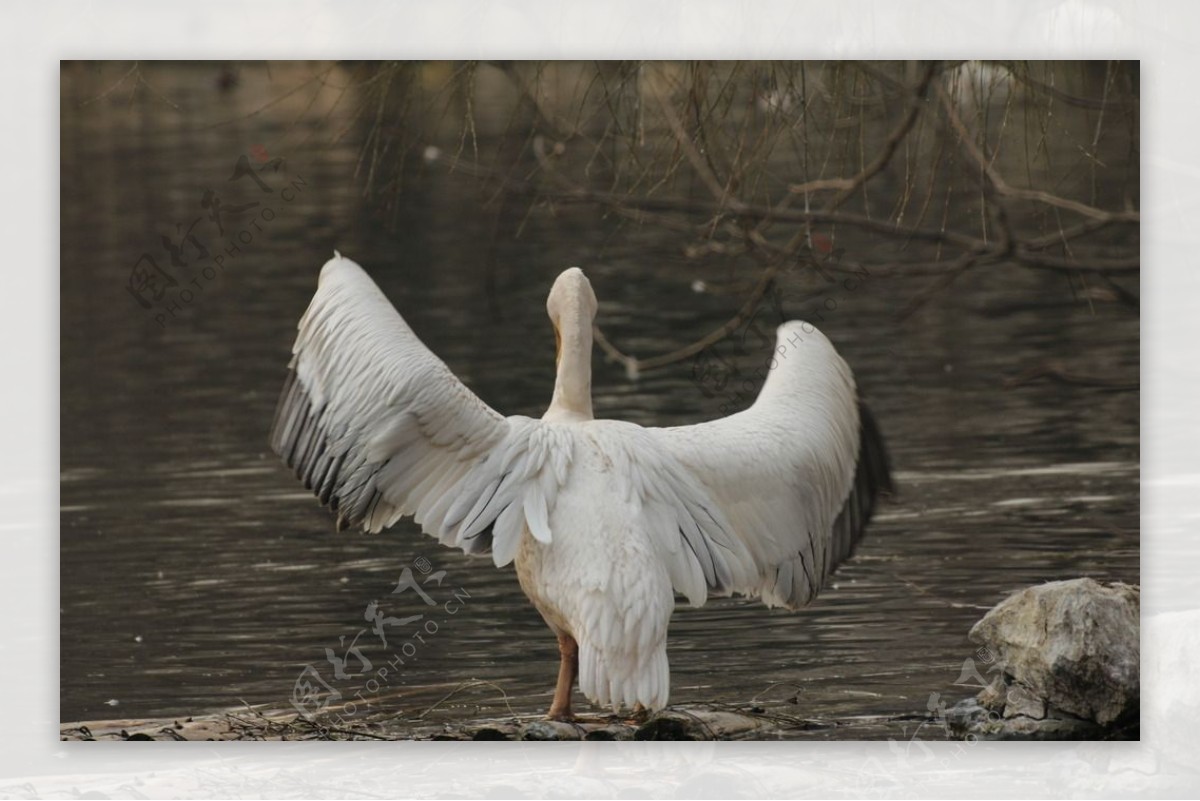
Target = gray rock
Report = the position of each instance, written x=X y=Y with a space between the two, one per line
x=490 y=733
x=972 y=721
x=1020 y=702
x=551 y=730
x=698 y=724
x=616 y=732
x=1073 y=645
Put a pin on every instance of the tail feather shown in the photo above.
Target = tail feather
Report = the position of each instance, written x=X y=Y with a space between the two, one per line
x=624 y=680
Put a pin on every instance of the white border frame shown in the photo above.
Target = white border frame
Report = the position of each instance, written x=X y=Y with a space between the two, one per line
x=1164 y=35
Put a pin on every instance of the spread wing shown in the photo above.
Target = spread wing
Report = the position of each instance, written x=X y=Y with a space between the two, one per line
x=794 y=477
x=379 y=428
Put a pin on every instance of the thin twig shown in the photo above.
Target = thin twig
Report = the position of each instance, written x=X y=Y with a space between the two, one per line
x=1036 y=195
x=467 y=685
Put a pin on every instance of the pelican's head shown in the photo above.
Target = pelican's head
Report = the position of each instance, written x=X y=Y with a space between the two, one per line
x=572 y=308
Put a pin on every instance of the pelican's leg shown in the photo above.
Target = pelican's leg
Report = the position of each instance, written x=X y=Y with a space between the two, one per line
x=568 y=669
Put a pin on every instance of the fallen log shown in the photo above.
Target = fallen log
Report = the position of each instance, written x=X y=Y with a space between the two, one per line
x=677 y=723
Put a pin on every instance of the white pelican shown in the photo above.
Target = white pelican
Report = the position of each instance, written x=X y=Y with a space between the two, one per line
x=605 y=520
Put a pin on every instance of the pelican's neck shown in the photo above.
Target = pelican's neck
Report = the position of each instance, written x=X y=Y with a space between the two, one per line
x=573 y=385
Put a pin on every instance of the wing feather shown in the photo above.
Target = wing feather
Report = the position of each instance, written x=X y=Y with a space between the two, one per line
x=794 y=477
x=378 y=427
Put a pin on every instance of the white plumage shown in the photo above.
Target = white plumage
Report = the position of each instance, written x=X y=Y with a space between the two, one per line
x=605 y=520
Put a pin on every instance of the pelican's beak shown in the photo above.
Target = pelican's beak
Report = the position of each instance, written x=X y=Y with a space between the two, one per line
x=557 y=345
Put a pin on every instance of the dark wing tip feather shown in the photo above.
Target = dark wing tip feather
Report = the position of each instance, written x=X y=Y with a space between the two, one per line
x=872 y=478
x=341 y=479
x=300 y=436
x=873 y=450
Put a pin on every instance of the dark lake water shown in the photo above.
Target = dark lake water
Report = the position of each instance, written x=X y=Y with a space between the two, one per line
x=197 y=574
